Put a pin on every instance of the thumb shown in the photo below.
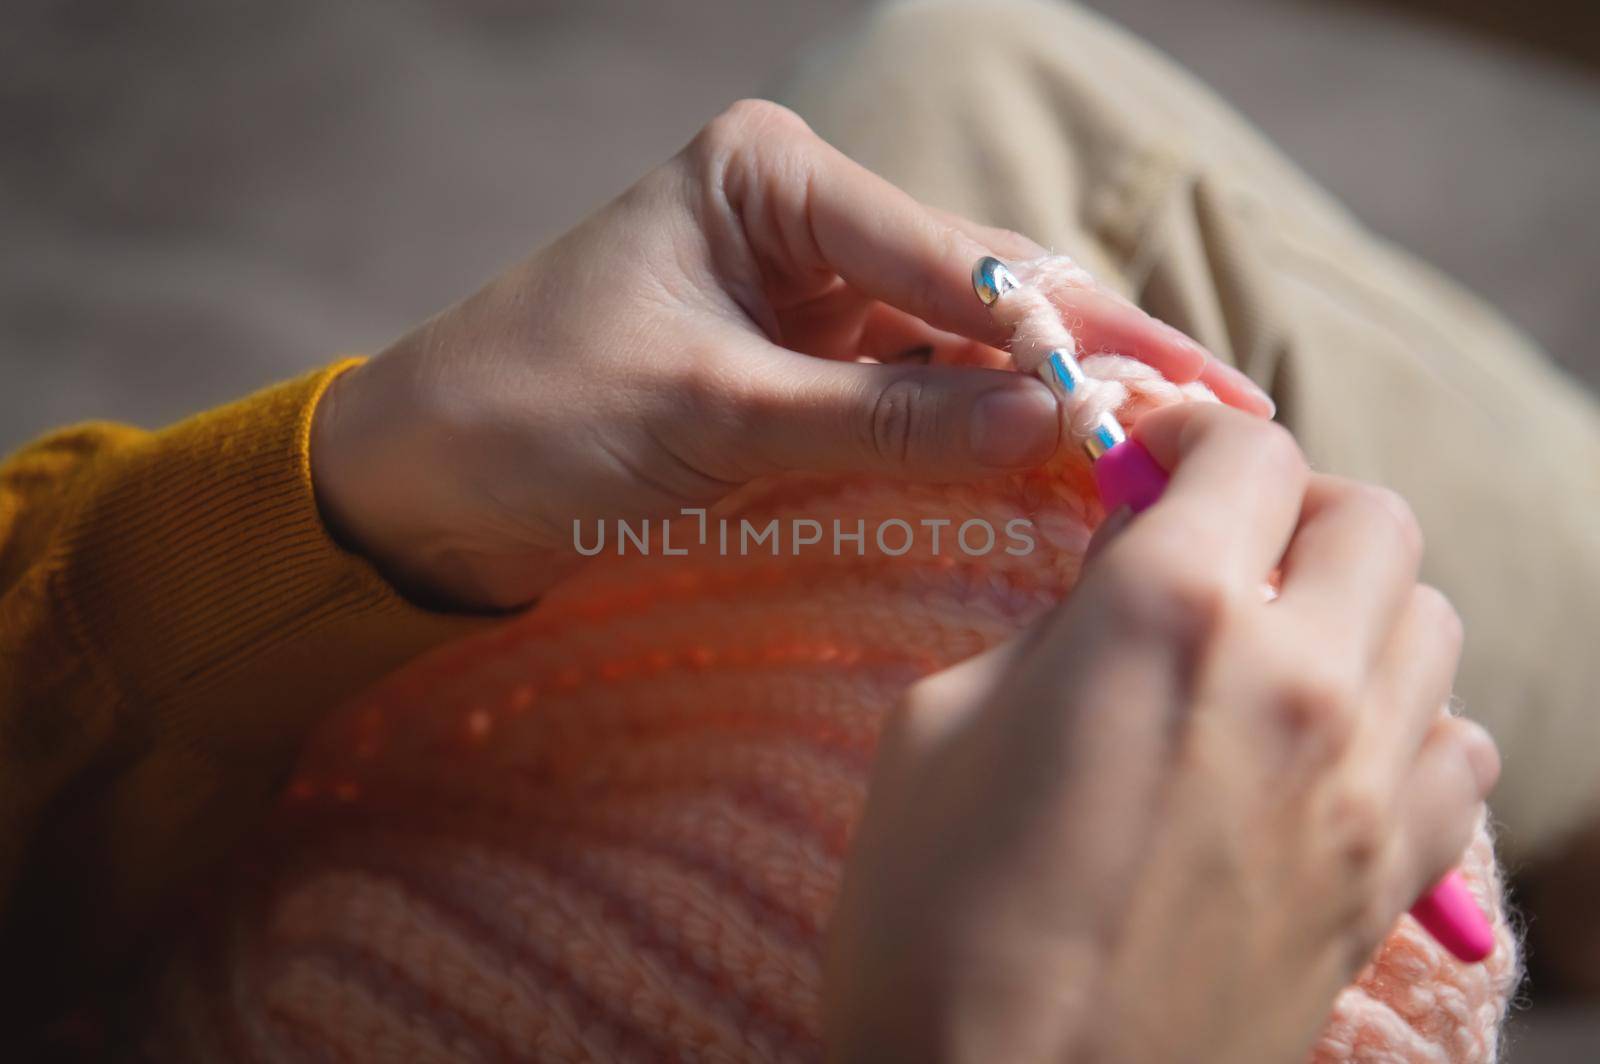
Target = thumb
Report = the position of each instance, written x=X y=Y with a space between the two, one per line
x=917 y=422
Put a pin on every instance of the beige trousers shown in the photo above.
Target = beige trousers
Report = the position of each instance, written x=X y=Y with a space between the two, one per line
x=1048 y=120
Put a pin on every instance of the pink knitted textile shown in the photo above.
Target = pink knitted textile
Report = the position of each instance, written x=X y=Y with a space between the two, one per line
x=613 y=828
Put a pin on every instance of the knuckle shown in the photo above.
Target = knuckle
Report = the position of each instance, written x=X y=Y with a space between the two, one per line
x=1278 y=448
x=1439 y=615
x=1470 y=767
x=910 y=725
x=1449 y=838
x=1016 y=236
x=926 y=691
x=735 y=152
x=927 y=288
x=1319 y=710
x=1388 y=509
x=704 y=402
x=741 y=120
x=1275 y=455
x=1011 y=242
x=1154 y=594
x=1372 y=922
x=1357 y=828
x=756 y=112
x=897 y=420
x=702 y=385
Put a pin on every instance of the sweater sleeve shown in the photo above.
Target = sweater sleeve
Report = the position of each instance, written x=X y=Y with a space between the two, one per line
x=173 y=618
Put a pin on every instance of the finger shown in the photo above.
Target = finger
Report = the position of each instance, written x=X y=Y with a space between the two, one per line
x=952 y=349
x=1351 y=566
x=1443 y=798
x=1005 y=243
x=1237 y=390
x=1103 y=322
x=890 y=331
x=1411 y=685
x=843 y=324
x=931 y=423
x=1235 y=491
x=1127 y=330
x=807 y=209
x=863 y=329
x=1110 y=322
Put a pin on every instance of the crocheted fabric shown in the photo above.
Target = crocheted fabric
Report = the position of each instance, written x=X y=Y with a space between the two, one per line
x=613 y=828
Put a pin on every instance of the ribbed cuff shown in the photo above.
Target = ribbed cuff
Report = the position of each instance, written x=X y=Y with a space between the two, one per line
x=202 y=547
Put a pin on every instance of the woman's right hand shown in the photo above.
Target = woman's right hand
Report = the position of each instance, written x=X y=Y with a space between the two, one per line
x=1172 y=819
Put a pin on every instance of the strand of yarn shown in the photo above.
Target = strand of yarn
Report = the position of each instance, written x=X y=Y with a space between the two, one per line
x=1115 y=384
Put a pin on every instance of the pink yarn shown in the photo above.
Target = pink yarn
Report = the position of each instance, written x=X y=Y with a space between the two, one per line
x=613 y=828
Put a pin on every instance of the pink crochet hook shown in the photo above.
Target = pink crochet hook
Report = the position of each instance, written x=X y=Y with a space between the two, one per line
x=1127 y=475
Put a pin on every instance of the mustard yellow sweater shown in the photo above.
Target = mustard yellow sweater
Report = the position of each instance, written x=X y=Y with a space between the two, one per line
x=173 y=617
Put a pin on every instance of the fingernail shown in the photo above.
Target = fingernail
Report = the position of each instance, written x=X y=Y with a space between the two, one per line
x=1265 y=406
x=1185 y=340
x=1482 y=755
x=1015 y=426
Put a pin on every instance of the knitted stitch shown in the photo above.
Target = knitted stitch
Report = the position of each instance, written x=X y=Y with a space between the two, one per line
x=613 y=828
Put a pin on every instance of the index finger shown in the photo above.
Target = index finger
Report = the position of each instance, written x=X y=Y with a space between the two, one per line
x=1102 y=319
x=1235 y=491
x=807 y=209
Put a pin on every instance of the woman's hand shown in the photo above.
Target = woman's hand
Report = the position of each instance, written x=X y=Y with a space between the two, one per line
x=706 y=328
x=1173 y=819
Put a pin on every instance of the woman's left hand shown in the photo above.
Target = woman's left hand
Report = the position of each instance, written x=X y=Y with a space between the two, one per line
x=757 y=304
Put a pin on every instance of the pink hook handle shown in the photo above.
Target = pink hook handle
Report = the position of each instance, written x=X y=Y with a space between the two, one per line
x=1127 y=475
x=1451 y=915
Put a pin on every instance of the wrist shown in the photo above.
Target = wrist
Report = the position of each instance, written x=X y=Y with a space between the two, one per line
x=337 y=488
x=392 y=486
x=352 y=474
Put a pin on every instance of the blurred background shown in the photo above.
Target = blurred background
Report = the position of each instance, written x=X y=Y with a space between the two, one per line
x=198 y=197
